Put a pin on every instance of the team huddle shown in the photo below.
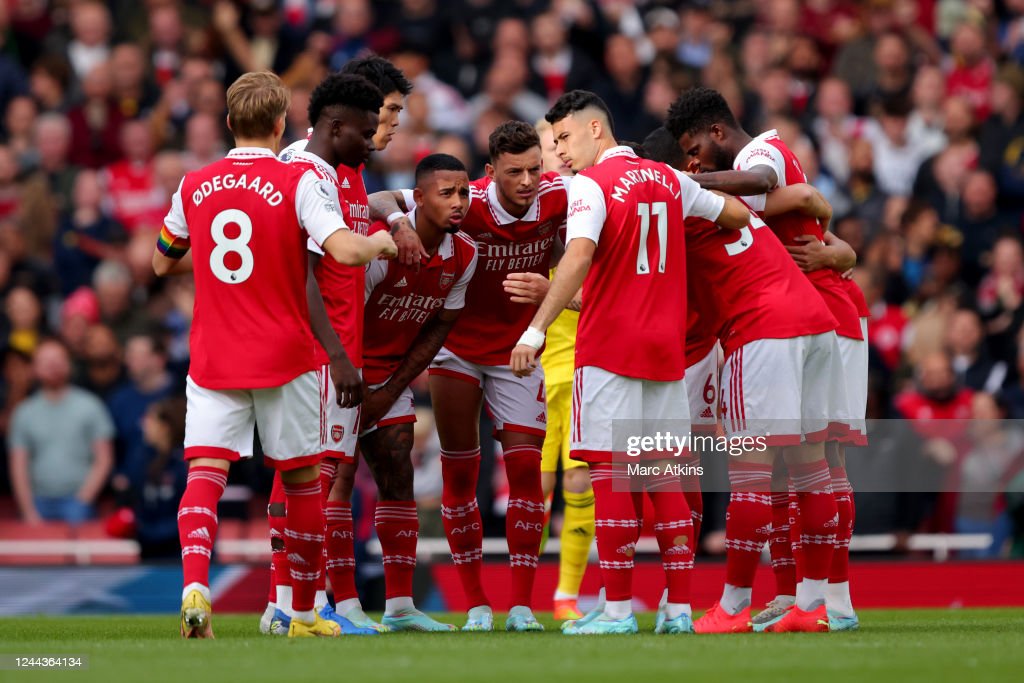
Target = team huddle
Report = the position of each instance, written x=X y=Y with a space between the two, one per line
x=316 y=306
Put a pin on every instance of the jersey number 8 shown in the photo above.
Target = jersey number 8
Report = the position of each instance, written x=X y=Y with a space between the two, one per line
x=227 y=245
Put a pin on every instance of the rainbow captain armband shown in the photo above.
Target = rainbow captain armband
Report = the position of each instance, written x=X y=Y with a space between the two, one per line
x=171 y=246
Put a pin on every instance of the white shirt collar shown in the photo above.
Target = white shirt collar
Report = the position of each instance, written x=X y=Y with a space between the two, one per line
x=502 y=216
x=617 y=151
x=446 y=249
x=251 y=152
x=316 y=160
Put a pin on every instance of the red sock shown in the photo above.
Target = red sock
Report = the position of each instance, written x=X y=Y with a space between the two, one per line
x=694 y=499
x=840 y=570
x=819 y=516
x=748 y=520
x=524 y=521
x=783 y=563
x=462 y=522
x=617 y=529
x=673 y=527
x=794 y=534
x=197 y=521
x=340 y=542
x=328 y=466
x=278 y=555
x=304 y=539
x=398 y=527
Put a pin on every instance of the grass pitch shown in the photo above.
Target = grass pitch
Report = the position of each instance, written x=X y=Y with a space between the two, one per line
x=905 y=645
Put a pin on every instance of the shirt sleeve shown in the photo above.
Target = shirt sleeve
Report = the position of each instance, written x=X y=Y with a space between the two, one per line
x=407 y=198
x=697 y=201
x=313 y=247
x=376 y=271
x=101 y=424
x=173 y=241
x=587 y=210
x=317 y=207
x=760 y=153
x=288 y=152
x=18 y=436
x=456 y=298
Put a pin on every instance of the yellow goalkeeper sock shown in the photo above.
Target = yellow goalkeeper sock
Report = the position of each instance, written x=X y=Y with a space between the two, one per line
x=577 y=533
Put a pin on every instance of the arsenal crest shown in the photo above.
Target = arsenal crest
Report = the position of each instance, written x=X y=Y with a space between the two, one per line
x=446 y=280
x=337 y=431
x=544 y=228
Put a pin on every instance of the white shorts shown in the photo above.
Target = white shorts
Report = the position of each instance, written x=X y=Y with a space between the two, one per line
x=220 y=423
x=515 y=404
x=855 y=369
x=402 y=411
x=608 y=410
x=782 y=389
x=339 y=427
x=702 y=389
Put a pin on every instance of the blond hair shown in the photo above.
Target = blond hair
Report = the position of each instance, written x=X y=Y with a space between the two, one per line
x=255 y=103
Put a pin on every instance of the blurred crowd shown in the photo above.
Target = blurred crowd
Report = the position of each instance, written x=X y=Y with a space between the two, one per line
x=907 y=114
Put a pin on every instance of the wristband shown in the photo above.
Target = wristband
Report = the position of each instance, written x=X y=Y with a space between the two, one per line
x=532 y=337
x=392 y=217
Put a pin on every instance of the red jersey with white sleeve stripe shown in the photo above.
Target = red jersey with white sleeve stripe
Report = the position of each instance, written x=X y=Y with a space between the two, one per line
x=490 y=326
x=401 y=299
x=247 y=219
x=634 y=317
x=755 y=288
x=341 y=286
x=768 y=149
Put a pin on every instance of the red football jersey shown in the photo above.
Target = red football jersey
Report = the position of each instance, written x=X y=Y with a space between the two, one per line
x=133 y=196
x=245 y=218
x=633 y=321
x=857 y=297
x=490 y=325
x=757 y=290
x=886 y=327
x=401 y=299
x=341 y=286
x=700 y=337
x=768 y=149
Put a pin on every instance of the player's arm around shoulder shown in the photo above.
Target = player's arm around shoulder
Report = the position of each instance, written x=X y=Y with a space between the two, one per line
x=728 y=212
x=318 y=207
x=735 y=215
x=803 y=198
x=391 y=206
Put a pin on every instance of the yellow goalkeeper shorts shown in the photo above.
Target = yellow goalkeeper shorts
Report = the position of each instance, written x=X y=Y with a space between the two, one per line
x=556 y=440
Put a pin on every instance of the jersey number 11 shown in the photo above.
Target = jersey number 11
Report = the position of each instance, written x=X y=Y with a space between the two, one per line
x=645 y=211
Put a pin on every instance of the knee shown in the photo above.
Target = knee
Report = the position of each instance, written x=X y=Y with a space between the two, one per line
x=397 y=482
x=344 y=481
x=576 y=480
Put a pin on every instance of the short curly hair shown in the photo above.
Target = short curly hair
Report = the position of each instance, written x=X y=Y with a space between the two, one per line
x=661 y=146
x=512 y=137
x=344 y=90
x=696 y=110
x=578 y=100
x=379 y=71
